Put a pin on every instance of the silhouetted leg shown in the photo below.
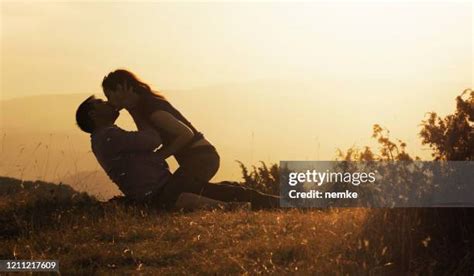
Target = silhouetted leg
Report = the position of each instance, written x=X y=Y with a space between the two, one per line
x=224 y=191
x=194 y=170
x=194 y=174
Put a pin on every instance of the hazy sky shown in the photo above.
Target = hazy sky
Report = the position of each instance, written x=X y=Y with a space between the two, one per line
x=68 y=47
x=352 y=64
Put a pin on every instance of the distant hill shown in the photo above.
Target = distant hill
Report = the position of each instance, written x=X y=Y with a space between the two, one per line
x=23 y=203
x=12 y=187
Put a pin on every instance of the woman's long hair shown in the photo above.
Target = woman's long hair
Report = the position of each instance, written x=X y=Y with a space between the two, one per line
x=121 y=76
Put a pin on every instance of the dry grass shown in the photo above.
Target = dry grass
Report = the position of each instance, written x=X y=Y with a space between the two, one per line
x=42 y=221
x=201 y=242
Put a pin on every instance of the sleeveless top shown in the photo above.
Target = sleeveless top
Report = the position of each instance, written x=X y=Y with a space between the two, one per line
x=148 y=104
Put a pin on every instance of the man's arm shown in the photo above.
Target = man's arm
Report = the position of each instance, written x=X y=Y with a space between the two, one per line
x=120 y=140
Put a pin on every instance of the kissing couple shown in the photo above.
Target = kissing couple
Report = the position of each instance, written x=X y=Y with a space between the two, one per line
x=136 y=160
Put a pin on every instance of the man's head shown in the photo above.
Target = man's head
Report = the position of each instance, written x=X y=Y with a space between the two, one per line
x=95 y=113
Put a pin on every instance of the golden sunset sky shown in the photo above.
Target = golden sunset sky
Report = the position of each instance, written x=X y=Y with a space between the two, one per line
x=68 y=47
x=313 y=76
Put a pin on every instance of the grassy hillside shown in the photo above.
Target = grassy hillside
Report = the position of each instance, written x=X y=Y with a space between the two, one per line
x=46 y=221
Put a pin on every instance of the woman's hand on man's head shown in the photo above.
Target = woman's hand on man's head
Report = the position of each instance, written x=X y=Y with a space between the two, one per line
x=124 y=90
x=122 y=96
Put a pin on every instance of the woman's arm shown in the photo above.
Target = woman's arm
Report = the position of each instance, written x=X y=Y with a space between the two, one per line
x=140 y=122
x=164 y=120
x=119 y=140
